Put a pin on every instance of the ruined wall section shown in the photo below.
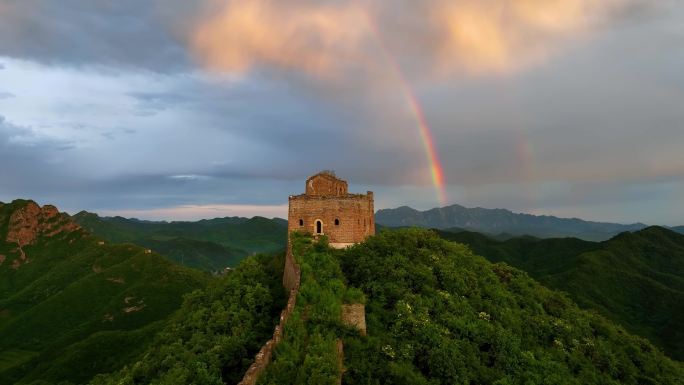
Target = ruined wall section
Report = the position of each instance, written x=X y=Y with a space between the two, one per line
x=354 y=315
x=291 y=280
x=291 y=274
x=326 y=184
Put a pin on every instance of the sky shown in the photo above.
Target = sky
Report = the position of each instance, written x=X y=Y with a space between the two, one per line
x=177 y=110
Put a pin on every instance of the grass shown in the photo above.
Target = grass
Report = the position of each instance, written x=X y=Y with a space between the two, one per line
x=14 y=357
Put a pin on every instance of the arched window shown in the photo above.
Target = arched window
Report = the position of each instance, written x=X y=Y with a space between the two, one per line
x=301 y=222
x=337 y=222
x=319 y=227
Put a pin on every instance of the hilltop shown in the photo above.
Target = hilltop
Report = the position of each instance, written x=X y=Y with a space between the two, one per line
x=73 y=305
x=209 y=244
x=438 y=314
x=636 y=279
x=501 y=221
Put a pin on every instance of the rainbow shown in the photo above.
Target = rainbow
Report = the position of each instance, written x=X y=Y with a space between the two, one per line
x=436 y=169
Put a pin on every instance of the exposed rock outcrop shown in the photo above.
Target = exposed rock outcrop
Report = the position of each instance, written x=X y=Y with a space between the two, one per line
x=31 y=221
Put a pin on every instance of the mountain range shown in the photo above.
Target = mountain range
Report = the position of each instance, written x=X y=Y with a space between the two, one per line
x=77 y=307
x=635 y=279
x=210 y=244
x=501 y=222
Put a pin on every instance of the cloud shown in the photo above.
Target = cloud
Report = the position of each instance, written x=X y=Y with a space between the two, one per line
x=6 y=95
x=30 y=161
x=116 y=34
x=12 y=135
x=441 y=36
x=434 y=37
x=151 y=103
x=312 y=36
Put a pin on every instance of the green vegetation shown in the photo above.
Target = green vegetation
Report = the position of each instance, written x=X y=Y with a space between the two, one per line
x=213 y=338
x=438 y=314
x=308 y=352
x=209 y=245
x=74 y=307
x=635 y=279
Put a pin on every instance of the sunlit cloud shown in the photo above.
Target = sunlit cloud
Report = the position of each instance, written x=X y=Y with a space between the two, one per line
x=503 y=35
x=312 y=37
x=471 y=36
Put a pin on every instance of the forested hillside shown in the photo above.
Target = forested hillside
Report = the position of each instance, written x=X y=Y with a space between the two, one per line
x=71 y=305
x=213 y=338
x=438 y=314
x=210 y=244
x=635 y=279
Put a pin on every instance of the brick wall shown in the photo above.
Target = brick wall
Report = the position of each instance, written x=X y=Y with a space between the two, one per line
x=325 y=184
x=344 y=219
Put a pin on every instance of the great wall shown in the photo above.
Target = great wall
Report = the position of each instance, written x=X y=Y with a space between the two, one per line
x=291 y=281
x=326 y=208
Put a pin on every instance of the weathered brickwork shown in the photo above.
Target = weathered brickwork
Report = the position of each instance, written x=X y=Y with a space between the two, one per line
x=354 y=315
x=327 y=208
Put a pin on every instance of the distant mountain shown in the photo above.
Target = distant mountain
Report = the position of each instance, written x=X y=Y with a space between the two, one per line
x=210 y=244
x=679 y=229
x=73 y=305
x=498 y=221
x=636 y=279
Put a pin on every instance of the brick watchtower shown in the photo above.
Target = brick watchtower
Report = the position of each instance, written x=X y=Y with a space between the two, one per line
x=327 y=208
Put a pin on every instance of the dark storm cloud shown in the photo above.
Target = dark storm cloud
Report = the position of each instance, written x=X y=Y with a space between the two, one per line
x=122 y=33
x=29 y=162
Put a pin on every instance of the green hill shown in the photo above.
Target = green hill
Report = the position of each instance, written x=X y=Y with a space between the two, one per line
x=438 y=314
x=210 y=245
x=71 y=305
x=635 y=279
x=213 y=338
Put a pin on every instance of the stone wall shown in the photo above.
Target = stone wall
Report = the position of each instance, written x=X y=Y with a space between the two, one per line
x=354 y=315
x=291 y=273
x=291 y=281
x=345 y=219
